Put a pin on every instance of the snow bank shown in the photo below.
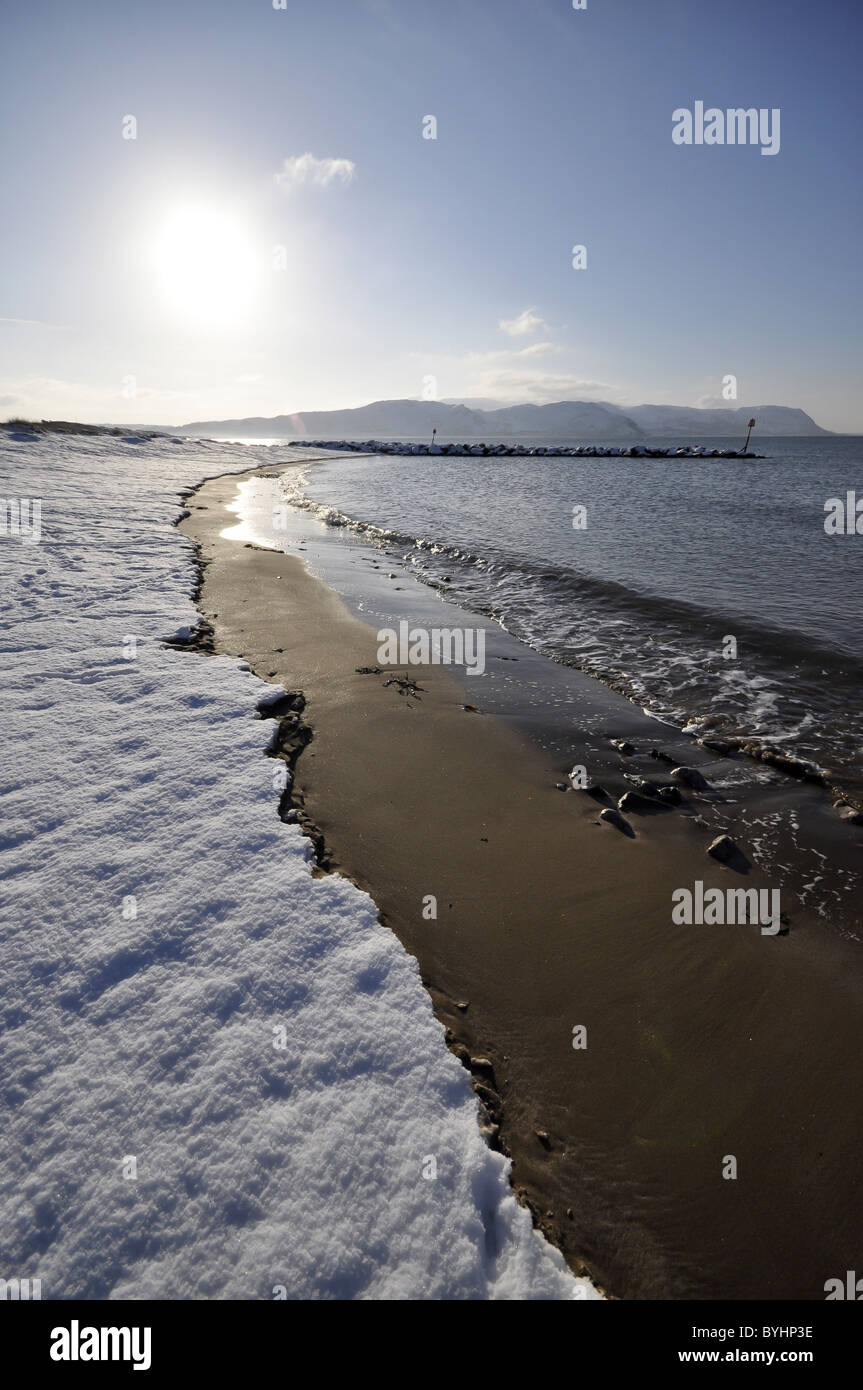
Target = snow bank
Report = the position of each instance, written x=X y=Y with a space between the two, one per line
x=219 y=1076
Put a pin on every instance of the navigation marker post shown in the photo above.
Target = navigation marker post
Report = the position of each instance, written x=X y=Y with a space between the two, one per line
x=748 y=432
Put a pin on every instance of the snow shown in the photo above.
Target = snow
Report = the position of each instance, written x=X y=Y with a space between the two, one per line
x=181 y=999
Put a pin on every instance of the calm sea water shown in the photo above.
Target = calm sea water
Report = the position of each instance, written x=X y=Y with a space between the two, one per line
x=676 y=558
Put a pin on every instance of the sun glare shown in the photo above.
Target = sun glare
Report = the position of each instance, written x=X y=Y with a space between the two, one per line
x=205 y=265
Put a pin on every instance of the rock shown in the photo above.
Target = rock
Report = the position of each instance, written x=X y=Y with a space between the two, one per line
x=542 y=1136
x=481 y=1066
x=643 y=785
x=851 y=815
x=561 y=786
x=690 y=777
x=671 y=795
x=634 y=801
x=622 y=746
x=717 y=745
x=462 y=1005
x=726 y=851
x=613 y=817
x=596 y=791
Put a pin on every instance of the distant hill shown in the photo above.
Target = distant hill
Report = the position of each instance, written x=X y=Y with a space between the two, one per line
x=412 y=419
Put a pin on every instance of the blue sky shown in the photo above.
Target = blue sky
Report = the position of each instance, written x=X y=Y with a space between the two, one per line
x=139 y=279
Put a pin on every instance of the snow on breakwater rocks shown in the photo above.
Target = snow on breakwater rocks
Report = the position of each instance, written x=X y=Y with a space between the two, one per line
x=373 y=446
x=221 y=1077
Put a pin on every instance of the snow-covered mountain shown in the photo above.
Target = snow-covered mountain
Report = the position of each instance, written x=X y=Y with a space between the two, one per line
x=689 y=420
x=413 y=419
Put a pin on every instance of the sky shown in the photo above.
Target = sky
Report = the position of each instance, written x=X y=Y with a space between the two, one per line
x=219 y=208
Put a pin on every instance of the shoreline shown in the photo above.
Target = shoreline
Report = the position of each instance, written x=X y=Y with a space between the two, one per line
x=841 y=783
x=548 y=921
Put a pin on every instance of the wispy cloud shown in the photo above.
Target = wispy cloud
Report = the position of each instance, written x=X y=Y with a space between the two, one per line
x=528 y=321
x=300 y=169
x=34 y=323
x=540 y=388
x=538 y=350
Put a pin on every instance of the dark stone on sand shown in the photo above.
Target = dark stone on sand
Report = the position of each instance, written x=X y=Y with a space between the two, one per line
x=726 y=851
x=613 y=817
x=690 y=777
x=369 y=671
x=794 y=767
x=634 y=801
x=462 y=1005
x=717 y=745
x=623 y=746
x=643 y=785
x=850 y=814
x=671 y=795
x=481 y=1066
x=597 y=792
x=542 y=1136
x=489 y=1098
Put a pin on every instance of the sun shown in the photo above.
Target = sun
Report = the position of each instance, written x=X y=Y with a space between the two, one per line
x=205 y=264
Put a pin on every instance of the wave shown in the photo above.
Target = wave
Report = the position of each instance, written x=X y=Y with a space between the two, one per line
x=785 y=698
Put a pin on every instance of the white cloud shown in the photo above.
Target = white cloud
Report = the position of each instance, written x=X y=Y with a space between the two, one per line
x=528 y=321
x=540 y=388
x=538 y=350
x=300 y=169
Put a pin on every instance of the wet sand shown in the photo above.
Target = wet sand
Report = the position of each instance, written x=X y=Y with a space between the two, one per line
x=703 y=1042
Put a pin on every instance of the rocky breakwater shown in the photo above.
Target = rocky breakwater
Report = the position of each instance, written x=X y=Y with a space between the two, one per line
x=390 y=446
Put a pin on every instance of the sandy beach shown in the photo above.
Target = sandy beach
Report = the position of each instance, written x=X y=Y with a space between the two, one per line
x=702 y=1043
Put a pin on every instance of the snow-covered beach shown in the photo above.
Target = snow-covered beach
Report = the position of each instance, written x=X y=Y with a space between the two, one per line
x=222 y=1078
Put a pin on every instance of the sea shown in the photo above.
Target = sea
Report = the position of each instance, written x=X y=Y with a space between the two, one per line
x=721 y=595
